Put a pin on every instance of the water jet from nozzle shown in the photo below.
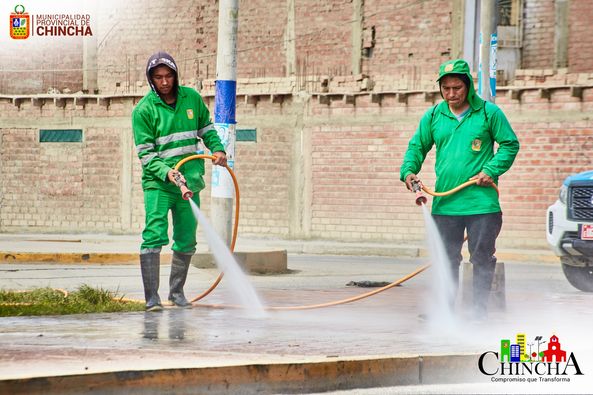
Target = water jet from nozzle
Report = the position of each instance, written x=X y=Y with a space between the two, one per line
x=420 y=198
x=185 y=191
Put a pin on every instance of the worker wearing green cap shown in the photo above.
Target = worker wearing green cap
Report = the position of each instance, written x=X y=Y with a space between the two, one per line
x=464 y=128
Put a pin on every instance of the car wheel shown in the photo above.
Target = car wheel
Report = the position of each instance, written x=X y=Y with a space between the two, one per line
x=580 y=277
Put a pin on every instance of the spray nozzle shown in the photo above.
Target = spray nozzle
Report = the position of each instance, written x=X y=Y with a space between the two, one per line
x=185 y=192
x=417 y=188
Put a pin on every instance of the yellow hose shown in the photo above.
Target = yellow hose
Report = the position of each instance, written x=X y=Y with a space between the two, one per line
x=457 y=188
x=288 y=308
x=291 y=308
x=328 y=304
x=315 y=306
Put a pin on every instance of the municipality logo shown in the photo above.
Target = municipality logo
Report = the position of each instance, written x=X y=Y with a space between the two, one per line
x=19 y=23
x=23 y=25
x=530 y=361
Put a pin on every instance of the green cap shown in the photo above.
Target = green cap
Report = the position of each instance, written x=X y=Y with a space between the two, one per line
x=456 y=66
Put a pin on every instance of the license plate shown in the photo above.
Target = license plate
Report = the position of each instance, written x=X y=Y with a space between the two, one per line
x=587 y=232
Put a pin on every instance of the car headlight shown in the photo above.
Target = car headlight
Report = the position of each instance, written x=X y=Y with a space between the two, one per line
x=563 y=194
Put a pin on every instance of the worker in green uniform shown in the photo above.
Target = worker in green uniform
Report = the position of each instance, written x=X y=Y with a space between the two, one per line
x=168 y=123
x=464 y=128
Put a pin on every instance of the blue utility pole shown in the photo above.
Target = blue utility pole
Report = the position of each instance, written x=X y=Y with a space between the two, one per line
x=222 y=192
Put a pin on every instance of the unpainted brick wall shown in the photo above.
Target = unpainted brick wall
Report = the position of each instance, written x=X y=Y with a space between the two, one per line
x=357 y=194
x=261 y=49
x=353 y=180
x=580 y=51
x=411 y=39
x=538 y=35
x=133 y=30
x=323 y=37
x=64 y=187
x=39 y=65
x=263 y=167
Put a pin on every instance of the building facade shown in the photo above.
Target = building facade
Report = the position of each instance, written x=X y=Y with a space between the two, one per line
x=334 y=91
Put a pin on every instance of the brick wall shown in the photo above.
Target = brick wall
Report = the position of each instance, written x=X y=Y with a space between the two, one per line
x=260 y=39
x=130 y=32
x=411 y=40
x=538 y=34
x=325 y=165
x=263 y=167
x=64 y=187
x=349 y=190
x=39 y=65
x=323 y=37
x=357 y=193
x=580 y=52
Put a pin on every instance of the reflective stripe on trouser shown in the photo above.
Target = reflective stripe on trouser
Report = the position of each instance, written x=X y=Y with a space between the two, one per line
x=157 y=204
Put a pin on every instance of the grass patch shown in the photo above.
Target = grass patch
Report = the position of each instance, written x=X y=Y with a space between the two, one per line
x=48 y=301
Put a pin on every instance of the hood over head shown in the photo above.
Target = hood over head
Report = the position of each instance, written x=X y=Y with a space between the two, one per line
x=158 y=59
x=460 y=68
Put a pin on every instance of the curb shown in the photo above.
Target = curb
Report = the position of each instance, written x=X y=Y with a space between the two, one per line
x=276 y=258
x=253 y=262
x=301 y=377
x=69 y=257
x=508 y=256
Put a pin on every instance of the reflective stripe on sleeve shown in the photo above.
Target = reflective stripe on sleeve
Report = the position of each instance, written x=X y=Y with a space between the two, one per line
x=146 y=159
x=144 y=147
x=205 y=129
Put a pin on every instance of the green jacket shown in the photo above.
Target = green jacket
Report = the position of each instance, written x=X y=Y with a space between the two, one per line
x=463 y=149
x=164 y=135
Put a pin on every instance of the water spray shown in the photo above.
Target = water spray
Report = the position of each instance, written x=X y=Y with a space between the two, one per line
x=421 y=199
x=187 y=194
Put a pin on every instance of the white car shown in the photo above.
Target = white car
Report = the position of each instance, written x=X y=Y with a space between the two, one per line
x=570 y=229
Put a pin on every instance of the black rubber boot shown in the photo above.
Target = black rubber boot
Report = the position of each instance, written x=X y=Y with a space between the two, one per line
x=179 y=268
x=150 y=266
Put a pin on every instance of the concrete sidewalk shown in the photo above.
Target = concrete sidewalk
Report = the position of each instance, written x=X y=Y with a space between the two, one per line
x=379 y=341
x=374 y=342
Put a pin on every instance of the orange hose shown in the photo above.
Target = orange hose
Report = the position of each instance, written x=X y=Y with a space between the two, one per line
x=232 y=247
x=354 y=298
x=457 y=188
x=328 y=304
x=314 y=306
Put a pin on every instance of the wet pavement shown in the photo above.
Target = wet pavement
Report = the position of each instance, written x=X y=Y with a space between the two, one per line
x=383 y=327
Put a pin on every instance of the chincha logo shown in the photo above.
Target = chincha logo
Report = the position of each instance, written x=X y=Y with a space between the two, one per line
x=19 y=23
x=520 y=362
x=23 y=25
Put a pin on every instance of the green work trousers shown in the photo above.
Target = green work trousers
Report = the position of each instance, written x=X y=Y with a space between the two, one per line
x=157 y=204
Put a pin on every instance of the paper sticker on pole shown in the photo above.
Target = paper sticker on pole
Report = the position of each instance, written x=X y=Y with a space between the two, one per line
x=222 y=182
x=480 y=76
x=493 y=48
